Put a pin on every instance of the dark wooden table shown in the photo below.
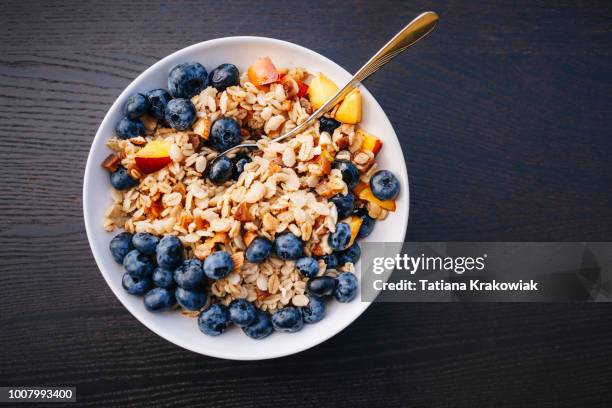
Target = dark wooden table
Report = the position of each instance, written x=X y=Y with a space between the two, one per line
x=505 y=117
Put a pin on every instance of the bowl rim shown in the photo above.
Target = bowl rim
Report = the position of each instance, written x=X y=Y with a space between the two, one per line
x=91 y=229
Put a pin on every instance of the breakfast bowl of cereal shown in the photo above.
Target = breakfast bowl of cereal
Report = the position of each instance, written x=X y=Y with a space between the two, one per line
x=254 y=254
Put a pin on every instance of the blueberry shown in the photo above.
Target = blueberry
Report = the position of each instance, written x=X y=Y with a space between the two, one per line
x=121 y=180
x=367 y=224
x=331 y=261
x=260 y=328
x=120 y=245
x=384 y=185
x=321 y=286
x=159 y=299
x=288 y=246
x=340 y=238
x=314 y=311
x=242 y=312
x=307 y=266
x=158 y=99
x=221 y=170
x=163 y=278
x=187 y=80
x=191 y=299
x=128 y=128
x=328 y=124
x=138 y=265
x=169 y=252
x=145 y=242
x=218 y=265
x=239 y=163
x=224 y=76
x=259 y=250
x=180 y=114
x=345 y=204
x=135 y=286
x=190 y=274
x=351 y=254
x=346 y=287
x=288 y=319
x=136 y=106
x=214 y=319
x=349 y=171
x=224 y=133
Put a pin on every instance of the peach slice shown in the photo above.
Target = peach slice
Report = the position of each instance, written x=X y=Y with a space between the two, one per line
x=349 y=110
x=321 y=90
x=154 y=156
x=366 y=194
x=354 y=222
x=302 y=88
x=359 y=188
x=263 y=72
x=370 y=143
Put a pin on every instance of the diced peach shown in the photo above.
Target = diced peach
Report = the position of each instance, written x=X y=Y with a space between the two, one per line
x=371 y=143
x=366 y=194
x=354 y=222
x=154 y=156
x=321 y=90
x=155 y=210
x=303 y=88
x=263 y=72
x=360 y=187
x=349 y=110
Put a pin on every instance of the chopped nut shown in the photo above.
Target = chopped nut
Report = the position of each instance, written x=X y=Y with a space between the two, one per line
x=138 y=141
x=245 y=133
x=248 y=237
x=317 y=250
x=242 y=213
x=112 y=162
x=299 y=300
x=135 y=173
x=343 y=142
x=202 y=128
x=270 y=223
x=195 y=141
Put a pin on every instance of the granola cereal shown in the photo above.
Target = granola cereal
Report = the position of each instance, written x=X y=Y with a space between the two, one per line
x=314 y=188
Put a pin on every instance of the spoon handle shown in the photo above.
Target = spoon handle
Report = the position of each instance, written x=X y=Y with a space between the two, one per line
x=417 y=29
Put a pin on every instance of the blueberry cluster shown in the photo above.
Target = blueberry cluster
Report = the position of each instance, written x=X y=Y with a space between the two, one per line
x=175 y=109
x=156 y=269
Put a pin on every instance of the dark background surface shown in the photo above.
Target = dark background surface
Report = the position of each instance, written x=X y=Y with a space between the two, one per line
x=505 y=118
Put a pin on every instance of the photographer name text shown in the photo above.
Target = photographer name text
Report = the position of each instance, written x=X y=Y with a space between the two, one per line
x=442 y=285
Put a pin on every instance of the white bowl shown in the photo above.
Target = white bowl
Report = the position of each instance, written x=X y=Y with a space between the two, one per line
x=184 y=331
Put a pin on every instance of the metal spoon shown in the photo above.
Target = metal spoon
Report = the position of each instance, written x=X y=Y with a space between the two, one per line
x=417 y=29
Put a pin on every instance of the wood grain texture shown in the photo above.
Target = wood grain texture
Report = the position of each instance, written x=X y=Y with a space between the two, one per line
x=504 y=115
